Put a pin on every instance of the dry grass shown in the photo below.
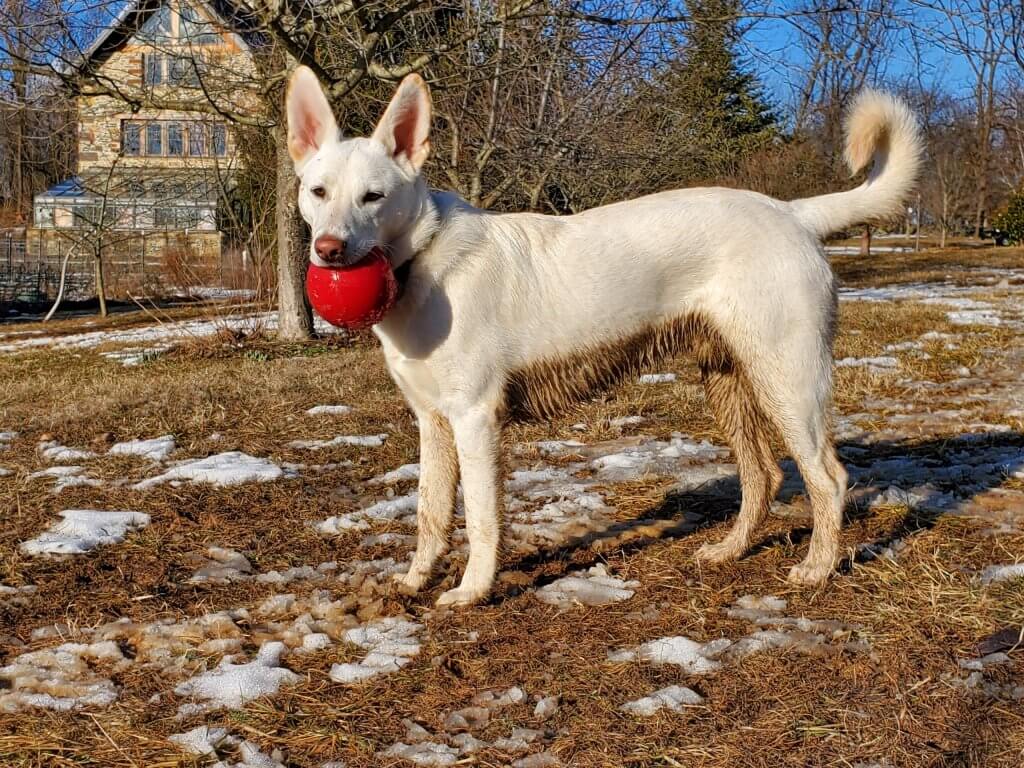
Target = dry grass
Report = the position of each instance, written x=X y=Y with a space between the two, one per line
x=896 y=703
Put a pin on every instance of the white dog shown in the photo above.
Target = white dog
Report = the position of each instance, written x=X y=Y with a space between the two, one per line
x=513 y=315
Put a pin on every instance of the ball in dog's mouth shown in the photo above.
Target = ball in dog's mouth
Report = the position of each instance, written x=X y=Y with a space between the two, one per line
x=356 y=296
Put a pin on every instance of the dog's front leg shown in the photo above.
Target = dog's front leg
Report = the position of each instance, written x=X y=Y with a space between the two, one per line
x=478 y=442
x=439 y=475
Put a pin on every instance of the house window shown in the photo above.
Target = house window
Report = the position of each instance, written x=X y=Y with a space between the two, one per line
x=197 y=139
x=163 y=216
x=220 y=140
x=195 y=30
x=131 y=140
x=154 y=139
x=44 y=217
x=152 y=69
x=175 y=139
x=84 y=216
x=181 y=70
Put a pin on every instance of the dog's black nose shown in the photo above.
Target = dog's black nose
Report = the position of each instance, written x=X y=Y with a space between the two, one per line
x=329 y=248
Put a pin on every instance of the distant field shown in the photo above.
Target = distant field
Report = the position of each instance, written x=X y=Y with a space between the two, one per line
x=250 y=591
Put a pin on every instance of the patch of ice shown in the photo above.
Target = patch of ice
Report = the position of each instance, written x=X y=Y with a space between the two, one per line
x=519 y=741
x=56 y=453
x=81 y=530
x=329 y=410
x=155 y=449
x=557 y=447
x=222 y=469
x=231 y=685
x=997 y=573
x=391 y=644
x=675 y=698
x=657 y=378
x=592 y=587
x=5 y=472
x=364 y=441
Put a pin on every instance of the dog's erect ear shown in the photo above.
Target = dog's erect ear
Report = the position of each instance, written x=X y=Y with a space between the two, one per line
x=311 y=122
x=405 y=128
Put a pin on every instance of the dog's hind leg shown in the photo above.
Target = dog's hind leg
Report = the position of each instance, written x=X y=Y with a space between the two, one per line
x=748 y=432
x=799 y=390
x=478 y=441
x=439 y=476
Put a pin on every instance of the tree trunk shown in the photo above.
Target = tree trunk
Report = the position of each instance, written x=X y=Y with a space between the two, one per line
x=295 y=316
x=865 y=241
x=101 y=291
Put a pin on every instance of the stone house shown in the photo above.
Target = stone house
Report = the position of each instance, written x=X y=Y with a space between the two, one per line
x=157 y=153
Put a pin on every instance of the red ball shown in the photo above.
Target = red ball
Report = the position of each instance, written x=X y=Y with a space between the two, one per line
x=353 y=297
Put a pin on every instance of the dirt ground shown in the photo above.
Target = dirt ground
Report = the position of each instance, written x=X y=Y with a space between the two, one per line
x=909 y=656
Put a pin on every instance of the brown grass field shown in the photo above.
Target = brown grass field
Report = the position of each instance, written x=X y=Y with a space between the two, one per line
x=886 y=683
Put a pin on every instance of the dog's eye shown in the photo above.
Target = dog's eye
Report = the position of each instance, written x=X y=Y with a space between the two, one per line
x=370 y=197
x=319 y=192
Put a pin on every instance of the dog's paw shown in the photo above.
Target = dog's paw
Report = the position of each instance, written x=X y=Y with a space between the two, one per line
x=809 y=574
x=409 y=583
x=722 y=552
x=460 y=598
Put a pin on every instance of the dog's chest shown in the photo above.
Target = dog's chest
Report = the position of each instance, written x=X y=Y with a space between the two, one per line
x=415 y=379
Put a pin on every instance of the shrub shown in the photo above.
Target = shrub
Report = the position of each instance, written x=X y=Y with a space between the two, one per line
x=1011 y=218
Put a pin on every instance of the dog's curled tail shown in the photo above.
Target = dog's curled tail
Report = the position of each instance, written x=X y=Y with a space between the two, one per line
x=881 y=128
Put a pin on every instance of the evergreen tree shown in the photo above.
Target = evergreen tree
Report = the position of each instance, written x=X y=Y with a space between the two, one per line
x=717 y=111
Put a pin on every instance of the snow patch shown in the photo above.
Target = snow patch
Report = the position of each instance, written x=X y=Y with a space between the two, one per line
x=364 y=441
x=81 y=530
x=675 y=698
x=231 y=685
x=222 y=469
x=997 y=573
x=591 y=587
x=56 y=453
x=391 y=644
x=329 y=410
x=657 y=378
x=155 y=449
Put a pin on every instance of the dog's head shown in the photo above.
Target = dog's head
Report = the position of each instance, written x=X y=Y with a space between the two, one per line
x=357 y=193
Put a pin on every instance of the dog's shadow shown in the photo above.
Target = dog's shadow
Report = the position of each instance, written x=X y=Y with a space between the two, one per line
x=681 y=513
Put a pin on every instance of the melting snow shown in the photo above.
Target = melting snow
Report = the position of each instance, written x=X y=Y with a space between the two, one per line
x=365 y=441
x=231 y=685
x=60 y=678
x=156 y=449
x=423 y=753
x=329 y=410
x=873 y=364
x=401 y=507
x=66 y=477
x=657 y=378
x=223 y=469
x=84 y=529
x=199 y=741
x=674 y=697
x=695 y=658
x=391 y=644
x=56 y=453
x=404 y=472
x=996 y=573
x=592 y=587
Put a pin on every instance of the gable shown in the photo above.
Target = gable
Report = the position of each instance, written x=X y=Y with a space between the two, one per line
x=174 y=22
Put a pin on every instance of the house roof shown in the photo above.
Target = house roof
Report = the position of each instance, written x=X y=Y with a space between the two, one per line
x=134 y=14
x=72 y=187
